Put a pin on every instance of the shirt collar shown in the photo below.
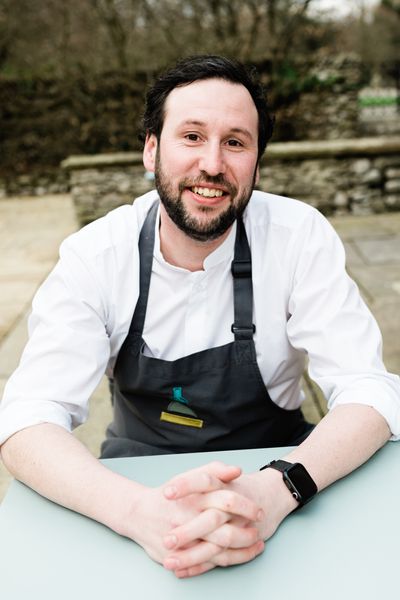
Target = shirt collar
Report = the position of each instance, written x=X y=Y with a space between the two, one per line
x=223 y=253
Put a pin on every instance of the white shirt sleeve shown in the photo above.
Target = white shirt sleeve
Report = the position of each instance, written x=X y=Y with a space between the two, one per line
x=331 y=323
x=67 y=352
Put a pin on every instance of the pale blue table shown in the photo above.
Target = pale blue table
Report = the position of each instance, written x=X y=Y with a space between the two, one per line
x=343 y=545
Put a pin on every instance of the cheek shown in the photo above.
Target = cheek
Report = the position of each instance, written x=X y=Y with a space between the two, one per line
x=175 y=167
x=246 y=176
x=243 y=167
x=179 y=160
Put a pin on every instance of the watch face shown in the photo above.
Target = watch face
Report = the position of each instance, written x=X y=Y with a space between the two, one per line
x=302 y=486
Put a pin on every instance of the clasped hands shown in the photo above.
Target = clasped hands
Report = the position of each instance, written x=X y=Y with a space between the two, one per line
x=207 y=517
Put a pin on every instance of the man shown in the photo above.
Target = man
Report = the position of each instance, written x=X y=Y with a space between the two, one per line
x=229 y=290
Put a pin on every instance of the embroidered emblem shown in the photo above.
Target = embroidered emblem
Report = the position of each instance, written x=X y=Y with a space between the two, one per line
x=181 y=413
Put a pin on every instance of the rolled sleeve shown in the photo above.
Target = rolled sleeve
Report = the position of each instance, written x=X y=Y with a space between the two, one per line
x=331 y=323
x=381 y=391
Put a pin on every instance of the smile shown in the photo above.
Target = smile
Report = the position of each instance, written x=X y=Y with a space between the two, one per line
x=207 y=192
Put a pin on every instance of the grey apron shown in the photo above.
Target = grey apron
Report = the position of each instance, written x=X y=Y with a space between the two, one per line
x=211 y=400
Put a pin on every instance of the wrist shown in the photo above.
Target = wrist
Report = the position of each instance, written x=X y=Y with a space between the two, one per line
x=284 y=502
x=122 y=506
x=270 y=493
x=296 y=478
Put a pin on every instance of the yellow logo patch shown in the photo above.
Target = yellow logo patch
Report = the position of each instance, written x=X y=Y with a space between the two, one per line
x=180 y=420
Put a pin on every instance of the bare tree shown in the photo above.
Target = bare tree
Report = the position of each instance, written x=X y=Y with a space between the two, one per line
x=131 y=35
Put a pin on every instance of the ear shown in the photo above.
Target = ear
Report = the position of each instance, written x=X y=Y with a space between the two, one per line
x=257 y=175
x=149 y=152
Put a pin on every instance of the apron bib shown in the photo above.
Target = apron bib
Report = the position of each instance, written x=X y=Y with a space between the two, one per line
x=211 y=400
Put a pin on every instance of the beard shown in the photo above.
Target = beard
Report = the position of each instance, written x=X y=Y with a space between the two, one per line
x=201 y=230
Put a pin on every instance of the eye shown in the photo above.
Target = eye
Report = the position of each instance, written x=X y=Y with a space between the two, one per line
x=235 y=143
x=192 y=137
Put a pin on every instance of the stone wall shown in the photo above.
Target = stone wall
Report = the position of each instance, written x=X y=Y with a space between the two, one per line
x=44 y=121
x=358 y=176
x=100 y=183
x=46 y=181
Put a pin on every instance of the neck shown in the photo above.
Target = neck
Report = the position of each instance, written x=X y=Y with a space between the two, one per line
x=182 y=251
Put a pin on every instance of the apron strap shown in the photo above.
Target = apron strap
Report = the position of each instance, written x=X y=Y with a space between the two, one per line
x=243 y=327
x=146 y=250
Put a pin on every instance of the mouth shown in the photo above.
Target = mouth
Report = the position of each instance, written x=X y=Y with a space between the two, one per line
x=208 y=192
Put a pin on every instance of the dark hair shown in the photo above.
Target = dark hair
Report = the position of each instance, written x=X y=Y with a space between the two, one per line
x=195 y=68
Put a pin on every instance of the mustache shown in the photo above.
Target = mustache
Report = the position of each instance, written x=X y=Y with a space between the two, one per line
x=208 y=180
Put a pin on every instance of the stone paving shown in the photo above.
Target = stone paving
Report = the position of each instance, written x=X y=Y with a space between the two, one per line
x=31 y=230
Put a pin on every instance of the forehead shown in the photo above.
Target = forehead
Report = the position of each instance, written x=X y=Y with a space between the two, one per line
x=211 y=101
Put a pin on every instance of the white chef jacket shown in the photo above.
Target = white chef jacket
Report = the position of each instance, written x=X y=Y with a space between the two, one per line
x=305 y=305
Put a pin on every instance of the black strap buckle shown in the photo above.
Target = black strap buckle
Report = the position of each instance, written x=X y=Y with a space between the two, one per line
x=241 y=268
x=238 y=329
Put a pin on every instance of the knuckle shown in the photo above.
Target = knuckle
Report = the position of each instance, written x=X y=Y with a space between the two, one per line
x=252 y=552
x=172 y=523
x=216 y=465
x=180 y=484
x=226 y=538
x=223 y=560
x=201 y=484
x=215 y=518
x=207 y=480
x=252 y=535
x=257 y=549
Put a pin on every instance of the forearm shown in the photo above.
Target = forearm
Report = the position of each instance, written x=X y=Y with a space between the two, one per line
x=51 y=461
x=343 y=440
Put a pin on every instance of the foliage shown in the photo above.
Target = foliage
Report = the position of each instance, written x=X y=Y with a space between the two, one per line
x=86 y=62
x=375 y=36
x=91 y=36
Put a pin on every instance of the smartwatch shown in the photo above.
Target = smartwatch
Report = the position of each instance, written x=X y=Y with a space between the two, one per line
x=296 y=478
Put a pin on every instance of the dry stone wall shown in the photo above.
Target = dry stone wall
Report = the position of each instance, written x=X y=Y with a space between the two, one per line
x=349 y=184
x=359 y=176
x=46 y=181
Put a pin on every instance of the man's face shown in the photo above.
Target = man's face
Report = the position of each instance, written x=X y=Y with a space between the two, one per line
x=205 y=163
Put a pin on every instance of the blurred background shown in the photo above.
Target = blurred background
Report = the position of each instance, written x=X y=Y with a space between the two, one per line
x=73 y=74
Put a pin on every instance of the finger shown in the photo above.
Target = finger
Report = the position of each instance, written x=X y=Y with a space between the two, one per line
x=197 y=528
x=191 y=483
x=230 y=536
x=211 y=526
x=233 y=503
x=238 y=556
x=201 y=552
x=223 y=559
x=204 y=479
x=225 y=473
x=193 y=571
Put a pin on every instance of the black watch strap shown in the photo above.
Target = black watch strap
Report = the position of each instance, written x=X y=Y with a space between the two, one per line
x=296 y=478
x=279 y=465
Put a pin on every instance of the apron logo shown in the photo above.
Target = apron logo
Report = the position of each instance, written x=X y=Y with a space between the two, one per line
x=181 y=413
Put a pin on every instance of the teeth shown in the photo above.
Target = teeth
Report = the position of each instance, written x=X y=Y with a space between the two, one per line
x=207 y=192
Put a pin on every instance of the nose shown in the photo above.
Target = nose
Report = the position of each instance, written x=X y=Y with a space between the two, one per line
x=212 y=159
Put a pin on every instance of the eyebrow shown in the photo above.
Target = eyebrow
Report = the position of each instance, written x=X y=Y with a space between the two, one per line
x=239 y=130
